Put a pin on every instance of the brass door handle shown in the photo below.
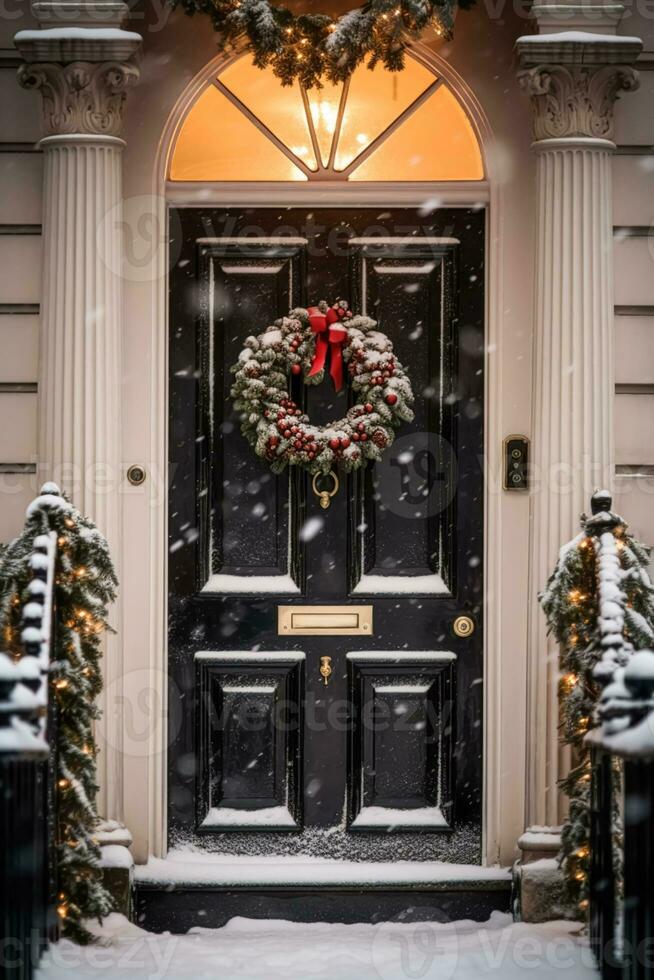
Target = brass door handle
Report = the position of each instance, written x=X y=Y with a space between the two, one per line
x=463 y=626
x=326 y=669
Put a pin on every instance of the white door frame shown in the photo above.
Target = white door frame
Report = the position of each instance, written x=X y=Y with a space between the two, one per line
x=503 y=797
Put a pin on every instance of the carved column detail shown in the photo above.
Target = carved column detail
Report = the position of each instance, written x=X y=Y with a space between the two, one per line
x=575 y=100
x=83 y=76
x=81 y=97
x=573 y=87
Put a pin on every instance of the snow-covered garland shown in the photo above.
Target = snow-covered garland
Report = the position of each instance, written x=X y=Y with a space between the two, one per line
x=298 y=344
x=599 y=604
x=312 y=47
x=85 y=584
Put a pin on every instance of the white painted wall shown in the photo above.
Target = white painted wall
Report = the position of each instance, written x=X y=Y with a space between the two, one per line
x=20 y=280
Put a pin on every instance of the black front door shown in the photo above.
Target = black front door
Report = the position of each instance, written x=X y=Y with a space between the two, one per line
x=326 y=665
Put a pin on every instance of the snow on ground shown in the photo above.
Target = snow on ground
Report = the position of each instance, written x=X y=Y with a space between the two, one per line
x=249 y=949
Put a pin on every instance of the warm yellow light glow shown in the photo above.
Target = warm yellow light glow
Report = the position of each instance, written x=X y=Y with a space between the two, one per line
x=279 y=108
x=375 y=99
x=324 y=104
x=437 y=142
x=217 y=142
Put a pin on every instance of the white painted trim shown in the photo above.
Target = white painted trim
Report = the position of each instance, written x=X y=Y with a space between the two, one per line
x=250 y=656
x=333 y=193
x=402 y=656
x=403 y=240
x=261 y=240
x=463 y=194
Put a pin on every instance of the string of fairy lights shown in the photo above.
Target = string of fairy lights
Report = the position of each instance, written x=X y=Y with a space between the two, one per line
x=85 y=585
x=571 y=603
x=315 y=47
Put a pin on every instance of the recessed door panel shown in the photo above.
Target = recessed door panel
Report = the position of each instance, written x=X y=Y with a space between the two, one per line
x=400 y=765
x=249 y=722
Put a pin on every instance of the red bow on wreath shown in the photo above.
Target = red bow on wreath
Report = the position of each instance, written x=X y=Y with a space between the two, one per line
x=330 y=335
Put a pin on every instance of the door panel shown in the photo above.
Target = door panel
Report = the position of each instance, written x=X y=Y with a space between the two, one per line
x=249 y=720
x=401 y=740
x=384 y=761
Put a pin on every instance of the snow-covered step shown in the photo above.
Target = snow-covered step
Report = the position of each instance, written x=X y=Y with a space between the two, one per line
x=190 y=888
x=221 y=870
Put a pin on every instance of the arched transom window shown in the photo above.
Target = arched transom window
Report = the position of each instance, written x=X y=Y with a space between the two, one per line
x=376 y=126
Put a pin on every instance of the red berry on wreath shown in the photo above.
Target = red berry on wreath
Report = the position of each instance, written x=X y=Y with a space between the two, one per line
x=391 y=398
x=345 y=442
x=363 y=437
x=356 y=436
x=334 y=444
x=273 y=441
x=296 y=368
x=367 y=407
x=361 y=427
x=294 y=429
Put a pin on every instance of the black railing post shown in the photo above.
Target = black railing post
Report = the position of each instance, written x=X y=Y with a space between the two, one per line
x=26 y=776
x=603 y=909
x=638 y=869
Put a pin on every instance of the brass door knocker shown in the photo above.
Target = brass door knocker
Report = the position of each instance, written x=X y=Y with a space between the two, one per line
x=326 y=669
x=325 y=496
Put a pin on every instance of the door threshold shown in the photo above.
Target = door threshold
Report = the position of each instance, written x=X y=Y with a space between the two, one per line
x=201 y=870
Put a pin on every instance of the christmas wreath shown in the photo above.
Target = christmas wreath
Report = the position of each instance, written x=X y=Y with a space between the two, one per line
x=300 y=344
x=311 y=47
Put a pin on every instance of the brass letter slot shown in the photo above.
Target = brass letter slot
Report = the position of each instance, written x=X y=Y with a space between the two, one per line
x=324 y=620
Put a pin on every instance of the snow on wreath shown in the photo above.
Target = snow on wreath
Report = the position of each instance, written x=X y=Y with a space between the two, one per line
x=300 y=344
x=312 y=47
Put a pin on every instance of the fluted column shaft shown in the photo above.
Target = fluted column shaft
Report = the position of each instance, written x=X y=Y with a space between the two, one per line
x=83 y=76
x=573 y=83
x=572 y=406
x=81 y=367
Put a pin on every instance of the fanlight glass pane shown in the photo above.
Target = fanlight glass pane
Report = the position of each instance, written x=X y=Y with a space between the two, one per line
x=375 y=99
x=436 y=142
x=217 y=142
x=324 y=104
x=280 y=108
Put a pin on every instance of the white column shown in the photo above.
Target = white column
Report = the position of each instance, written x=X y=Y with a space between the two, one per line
x=573 y=91
x=81 y=368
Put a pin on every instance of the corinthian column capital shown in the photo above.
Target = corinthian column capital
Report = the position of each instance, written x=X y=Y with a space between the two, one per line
x=82 y=97
x=574 y=84
x=575 y=100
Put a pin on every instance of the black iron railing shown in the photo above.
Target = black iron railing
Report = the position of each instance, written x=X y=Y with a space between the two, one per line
x=27 y=870
x=622 y=825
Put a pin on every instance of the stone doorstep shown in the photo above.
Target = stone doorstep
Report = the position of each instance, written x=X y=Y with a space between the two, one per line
x=117 y=863
x=539 y=842
x=539 y=881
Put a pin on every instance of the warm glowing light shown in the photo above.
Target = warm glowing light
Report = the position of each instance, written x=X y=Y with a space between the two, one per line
x=570 y=680
x=62 y=911
x=219 y=142
x=63 y=783
x=61 y=685
x=324 y=105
